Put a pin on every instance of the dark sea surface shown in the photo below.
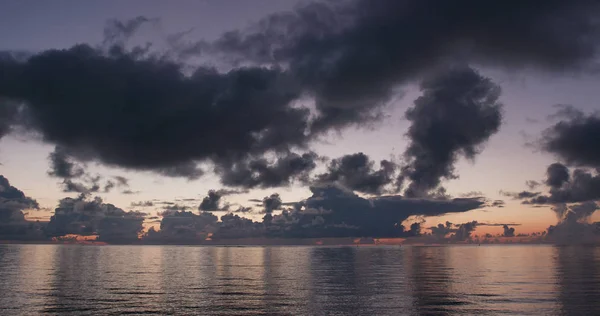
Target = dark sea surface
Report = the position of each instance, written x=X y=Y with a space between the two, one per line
x=186 y=280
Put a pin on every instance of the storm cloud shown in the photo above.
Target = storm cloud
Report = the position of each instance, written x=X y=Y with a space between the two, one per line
x=344 y=213
x=182 y=227
x=574 y=139
x=139 y=110
x=456 y=114
x=146 y=132
x=352 y=55
x=260 y=172
x=356 y=172
x=13 y=225
x=84 y=216
x=580 y=185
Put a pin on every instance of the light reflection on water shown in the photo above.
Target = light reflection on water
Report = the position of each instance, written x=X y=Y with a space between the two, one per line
x=162 y=280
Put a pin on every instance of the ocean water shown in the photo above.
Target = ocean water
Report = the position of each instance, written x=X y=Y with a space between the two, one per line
x=187 y=280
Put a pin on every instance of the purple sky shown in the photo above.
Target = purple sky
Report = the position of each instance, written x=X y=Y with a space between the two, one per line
x=506 y=163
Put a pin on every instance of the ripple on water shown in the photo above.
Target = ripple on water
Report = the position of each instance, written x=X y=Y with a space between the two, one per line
x=171 y=280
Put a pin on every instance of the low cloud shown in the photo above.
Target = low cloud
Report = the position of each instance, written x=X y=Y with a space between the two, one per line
x=182 y=227
x=356 y=172
x=213 y=200
x=83 y=216
x=568 y=187
x=142 y=204
x=13 y=203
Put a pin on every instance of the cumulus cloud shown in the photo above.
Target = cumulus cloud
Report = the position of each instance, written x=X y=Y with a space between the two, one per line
x=574 y=139
x=62 y=166
x=456 y=114
x=212 y=201
x=344 y=53
x=573 y=197
x=234 y=226
x=13 y=225
x=76 y=178
x=145 y=129
x=508 y=231
x=271 y=203
x=83 y=216
x=347 y=213
x=338 y=53
x=260 y=172
x=464 y=230
x=461 y=232
x=580 y=185
x=573 y=225
x=556 y=175
x=357 y=172
x=182 y=227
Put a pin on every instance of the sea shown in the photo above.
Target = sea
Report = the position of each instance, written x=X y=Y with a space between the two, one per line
x=299 y=280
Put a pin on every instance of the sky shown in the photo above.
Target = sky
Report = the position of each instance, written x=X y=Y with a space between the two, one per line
x=412 y=111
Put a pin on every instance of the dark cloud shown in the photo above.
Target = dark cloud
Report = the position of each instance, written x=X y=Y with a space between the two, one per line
x=440 y=231
x=165 y=202
x=271 y=203
x=175 y=207
x=498 y=203
x=75 y=177
x=472 y=194
x=356 y=172
x=69 y=186
x=580 y=186
x=170 y=117
x=13 y=225
x=243 y=209
x=136 y=125
x=142 y=204
x=520 y=195
x=463 y=232
x=122 y=181
x=117 y=32
x=109 y=186
x=85 y=216
x=212 y=202
x=456 y=114
x=556 y=175
x=344 y=213
x=129 y=192
x=351 y=55
x=61 y=165
x=260 y=172
x=453 y=232
x=234 y=226
x=532 y=184
x=573 y=225
x=182 y=227
x=8 y=112
x=508 y=231
x=574 y=139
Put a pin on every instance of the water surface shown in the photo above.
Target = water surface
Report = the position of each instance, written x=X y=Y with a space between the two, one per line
x=183 y=280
